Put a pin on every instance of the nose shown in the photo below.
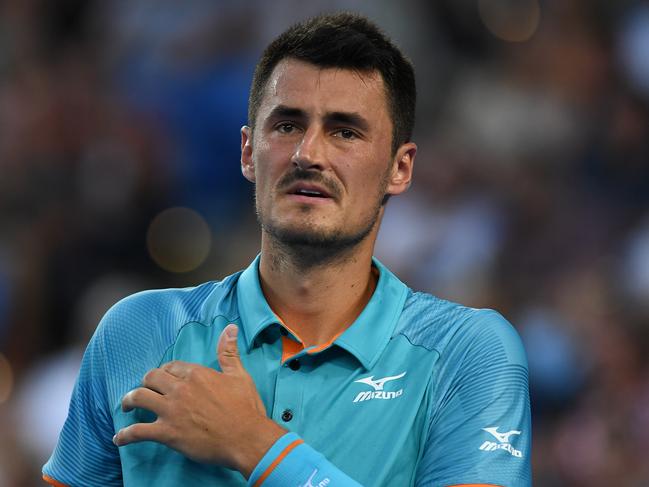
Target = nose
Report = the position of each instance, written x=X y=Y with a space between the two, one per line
x=310 y=150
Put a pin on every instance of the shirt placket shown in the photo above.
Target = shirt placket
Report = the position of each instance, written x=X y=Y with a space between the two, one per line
x=288 y=408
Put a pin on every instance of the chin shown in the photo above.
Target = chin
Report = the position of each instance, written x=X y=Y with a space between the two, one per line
x=304 y=235
x=325 y=243
x=315 y=244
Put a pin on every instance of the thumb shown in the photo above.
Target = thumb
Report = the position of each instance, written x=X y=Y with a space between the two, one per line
x=227 y=351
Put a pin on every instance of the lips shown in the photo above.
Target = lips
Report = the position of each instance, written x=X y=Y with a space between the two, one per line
x=309 y=190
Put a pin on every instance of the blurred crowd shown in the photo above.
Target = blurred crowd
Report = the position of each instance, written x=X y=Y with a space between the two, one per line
x=119 y=171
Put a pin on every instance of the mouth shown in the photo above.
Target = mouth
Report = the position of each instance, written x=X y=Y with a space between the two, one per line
x=308 y=191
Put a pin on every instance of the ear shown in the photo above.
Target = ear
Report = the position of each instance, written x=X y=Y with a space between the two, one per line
x=402 y=167
x=247 y=164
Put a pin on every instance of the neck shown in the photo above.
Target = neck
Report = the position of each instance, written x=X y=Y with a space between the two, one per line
x=317 y=298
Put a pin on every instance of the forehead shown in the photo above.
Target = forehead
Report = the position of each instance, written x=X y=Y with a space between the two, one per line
x=316 y=90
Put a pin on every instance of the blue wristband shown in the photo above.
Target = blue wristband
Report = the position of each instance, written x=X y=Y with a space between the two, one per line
x=290 y=461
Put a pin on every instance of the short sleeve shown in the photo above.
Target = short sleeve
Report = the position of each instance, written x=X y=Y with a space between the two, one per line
x=480 y=428
x=85 y=454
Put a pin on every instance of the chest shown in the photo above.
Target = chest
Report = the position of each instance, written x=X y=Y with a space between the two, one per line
x=369 y=423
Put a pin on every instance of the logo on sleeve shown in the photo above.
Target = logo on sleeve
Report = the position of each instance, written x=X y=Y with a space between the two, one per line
x=309 y=482
x=503 y=441
x=378 y=385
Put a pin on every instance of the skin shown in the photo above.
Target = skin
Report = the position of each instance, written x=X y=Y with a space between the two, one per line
x=323 y=129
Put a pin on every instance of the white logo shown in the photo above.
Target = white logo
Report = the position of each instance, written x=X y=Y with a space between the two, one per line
x=503 y=441
x=309 y=482
x=377 y=385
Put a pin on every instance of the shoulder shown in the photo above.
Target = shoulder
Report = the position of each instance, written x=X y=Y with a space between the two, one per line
x=443 y=326
x=135 y=333
x=165 y=311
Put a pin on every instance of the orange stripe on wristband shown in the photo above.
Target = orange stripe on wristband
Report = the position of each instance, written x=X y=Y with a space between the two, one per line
x=277 y=461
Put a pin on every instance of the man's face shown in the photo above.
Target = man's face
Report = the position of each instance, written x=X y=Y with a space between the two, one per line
x=321 y=155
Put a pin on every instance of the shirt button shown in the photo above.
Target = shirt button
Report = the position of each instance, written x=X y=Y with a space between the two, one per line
x=287 y=415
x=294 y=364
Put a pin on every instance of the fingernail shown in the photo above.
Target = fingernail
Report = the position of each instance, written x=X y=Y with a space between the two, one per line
x=115 y=440
x=231 y=331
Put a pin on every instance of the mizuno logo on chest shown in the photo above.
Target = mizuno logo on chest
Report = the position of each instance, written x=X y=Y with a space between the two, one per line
x=378 y=385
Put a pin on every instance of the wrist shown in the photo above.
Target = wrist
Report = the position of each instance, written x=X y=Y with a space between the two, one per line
x=262 y=435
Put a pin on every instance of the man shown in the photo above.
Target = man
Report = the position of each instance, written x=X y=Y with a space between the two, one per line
x=315 y=366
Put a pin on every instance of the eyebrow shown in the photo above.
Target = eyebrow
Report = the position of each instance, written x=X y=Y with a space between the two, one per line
x=282 y=111
x=352 y=119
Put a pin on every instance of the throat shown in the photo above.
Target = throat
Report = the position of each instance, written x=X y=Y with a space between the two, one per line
x=321 y=303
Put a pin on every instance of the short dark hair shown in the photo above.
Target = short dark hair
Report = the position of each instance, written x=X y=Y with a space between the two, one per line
x=350 y=41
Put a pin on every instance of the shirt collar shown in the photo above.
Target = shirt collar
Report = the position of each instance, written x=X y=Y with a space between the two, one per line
x=365 y=338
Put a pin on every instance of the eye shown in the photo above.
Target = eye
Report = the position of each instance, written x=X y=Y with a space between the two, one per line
x=285 y=127
x=346 y=134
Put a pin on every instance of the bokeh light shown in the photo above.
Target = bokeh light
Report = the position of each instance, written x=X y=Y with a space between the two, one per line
x=179 y=239
x=6 y=379
x=634 y=46
x=510 y=20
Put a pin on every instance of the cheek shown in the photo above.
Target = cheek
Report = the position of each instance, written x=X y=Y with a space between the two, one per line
x=266 y=180
x=261 y=170
x=370 y=181
x=270 y=162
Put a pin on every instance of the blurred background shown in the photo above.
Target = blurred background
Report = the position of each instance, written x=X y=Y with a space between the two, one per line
x=119 y=171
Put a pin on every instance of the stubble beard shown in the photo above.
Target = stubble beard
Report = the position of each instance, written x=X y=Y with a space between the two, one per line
x=310 y=247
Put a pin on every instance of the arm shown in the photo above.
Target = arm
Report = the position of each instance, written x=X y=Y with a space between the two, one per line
x=84 y=454
x=479 y=431
x=196 y=418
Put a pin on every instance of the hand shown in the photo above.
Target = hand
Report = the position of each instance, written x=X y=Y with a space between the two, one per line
x=208 y=416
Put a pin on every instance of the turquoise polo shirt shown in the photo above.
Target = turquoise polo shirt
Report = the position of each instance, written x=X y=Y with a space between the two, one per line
x=418 y=391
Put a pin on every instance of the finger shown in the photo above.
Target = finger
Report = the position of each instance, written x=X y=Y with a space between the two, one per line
x=159 y=380
x=140 y=432
x=227 y=351
x=177 y=368
x=143 y=398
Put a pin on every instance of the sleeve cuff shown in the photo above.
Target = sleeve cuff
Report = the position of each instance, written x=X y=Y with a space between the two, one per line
x=273 y=457
x=288 y=461
x=53 y=482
